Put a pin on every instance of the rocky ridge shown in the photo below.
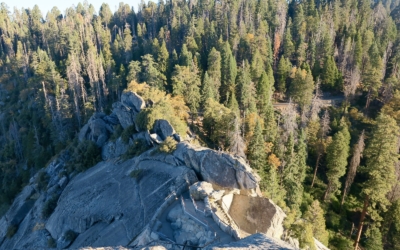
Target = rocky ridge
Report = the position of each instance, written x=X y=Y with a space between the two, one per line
x=117 y=202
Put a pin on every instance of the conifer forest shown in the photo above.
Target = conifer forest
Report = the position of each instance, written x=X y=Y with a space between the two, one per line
x=308 y=91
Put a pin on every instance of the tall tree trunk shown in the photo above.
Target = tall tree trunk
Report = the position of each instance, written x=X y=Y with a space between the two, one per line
x=368 y=99
x=327 y=191
x=315 y=170
x=361 y=224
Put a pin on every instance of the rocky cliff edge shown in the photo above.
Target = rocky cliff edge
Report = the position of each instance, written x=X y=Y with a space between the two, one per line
x=117 y=201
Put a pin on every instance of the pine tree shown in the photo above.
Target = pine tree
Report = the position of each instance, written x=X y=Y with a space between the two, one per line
x=354 y=163
x=186 y=57
x=232 y=102
x=372 y=78
x=283 y=72
x=150 y=73
x=247 y=89
x=330 y=75
x=256 y=149
x=127 y=44
x=337 y=154
x=391 y=226
x=315 y=215
x=381 y=154
x=105 y=14
x=162 y=58
x=374 y=240
x=257 y=66
x=214 y=70
x=301 y=88
x=321 y=141
x=133 y=71
x=288 y=45
x=207 y=90
x=264 y=95
x=294 y=174
x=186 y=83
x=358 y=50
x=228 y=71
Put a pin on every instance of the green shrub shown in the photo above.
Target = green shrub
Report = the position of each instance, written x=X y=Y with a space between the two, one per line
x=51 y=243
x=333 y=220
x=338 y=242
x=70 y=235
x=42 y=180
x=11 y=231
x=304 y=233
x=85 y=155
x=117 y=132
x=161 y=110
x=168 y=146
x=136 y=174
x=126 y=134
x=49 y=206
x=138 y=147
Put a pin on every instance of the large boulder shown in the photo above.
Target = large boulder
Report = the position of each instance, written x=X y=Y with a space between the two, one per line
x=133 y=100
x=163 y=128
x=222 y=170
x=125 y=114
x=200 y=190
x=126 y=110
x=97 y=129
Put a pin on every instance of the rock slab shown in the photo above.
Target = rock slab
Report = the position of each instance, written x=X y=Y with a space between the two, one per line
x=257 y=214
x=222 y=170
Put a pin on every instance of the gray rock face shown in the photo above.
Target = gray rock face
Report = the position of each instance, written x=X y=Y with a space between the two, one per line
x=254 y=242
x=113 y=202
x=104 y=206
x=27 y=210
x=125 y=115
x=133 y=100
x=222 y=170
x=143 y=136
x=187 y=230
x=113 y=149
x=107 y=207
x=21 y=206
x=156 y=138
x=128 y=108
x=200 y=190
x=163 y=128
x=98 y=129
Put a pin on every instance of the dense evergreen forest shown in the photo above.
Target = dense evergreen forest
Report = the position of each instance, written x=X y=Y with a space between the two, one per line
x=224 y=65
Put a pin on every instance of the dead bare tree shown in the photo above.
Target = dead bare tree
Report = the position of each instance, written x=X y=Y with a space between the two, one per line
x=316 y=103
x=95 y=71
x=14 y=134
x=352 y=79
x=323 y=132
x=354 y=163
x=237 y=144
x=395 y=193
x=75 y=82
